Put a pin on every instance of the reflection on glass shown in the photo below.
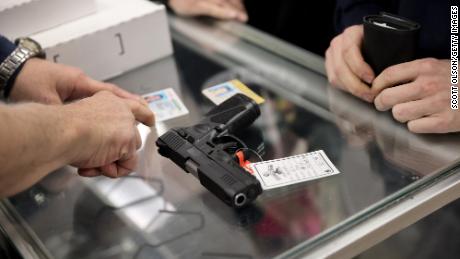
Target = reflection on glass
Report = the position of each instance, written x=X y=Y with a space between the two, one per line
x=162 y=212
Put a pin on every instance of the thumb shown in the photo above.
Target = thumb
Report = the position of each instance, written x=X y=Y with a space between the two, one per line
x=87 y=86
x=141 y=112
x=51 y=98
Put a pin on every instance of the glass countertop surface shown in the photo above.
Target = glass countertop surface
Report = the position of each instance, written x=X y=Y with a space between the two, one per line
x=162 y=212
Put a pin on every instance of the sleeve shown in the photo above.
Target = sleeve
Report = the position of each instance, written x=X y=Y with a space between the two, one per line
x=351 y=12
x=6 y=47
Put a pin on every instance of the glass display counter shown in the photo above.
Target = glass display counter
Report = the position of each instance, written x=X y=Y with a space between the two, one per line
x=389 y=177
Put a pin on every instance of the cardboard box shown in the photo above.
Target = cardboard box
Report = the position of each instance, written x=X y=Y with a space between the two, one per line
x=24 y=17
x=122 y=35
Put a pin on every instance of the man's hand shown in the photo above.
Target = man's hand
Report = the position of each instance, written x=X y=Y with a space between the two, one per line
x=109 y=137
x=220 y=9
x=418 y=92
x=49 y=83
x=345 y=65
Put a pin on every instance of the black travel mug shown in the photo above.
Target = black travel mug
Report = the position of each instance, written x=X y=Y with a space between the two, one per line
x=389 y=40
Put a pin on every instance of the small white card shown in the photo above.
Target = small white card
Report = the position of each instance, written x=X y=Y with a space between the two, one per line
x=165 y=104
x=219 y=93
x=292 y=170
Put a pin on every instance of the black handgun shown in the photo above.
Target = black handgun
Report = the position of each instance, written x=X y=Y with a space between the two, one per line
x=207 y=150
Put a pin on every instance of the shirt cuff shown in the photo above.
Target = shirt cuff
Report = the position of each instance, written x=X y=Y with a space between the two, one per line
x=6 y=48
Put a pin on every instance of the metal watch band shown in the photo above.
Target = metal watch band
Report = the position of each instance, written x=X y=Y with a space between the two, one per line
x=11 y=63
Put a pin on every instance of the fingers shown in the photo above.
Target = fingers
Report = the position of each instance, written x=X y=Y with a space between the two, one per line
x=86 y=86
x=89 y=172
x=345 y=65
x=113 y=134
x=329 y=66
x=398 y=94
x=144 y=102
x=354 y=85
x=348 y=80
x=235 y=5
x=112 y=170
x=430 y=115
x=127 y=166
x=49 y=98
x=357 y=64
x=138 y=141
x=217 y=10
x=109 y=170
x=221 y=9
x=142 y=113
x=242 y=14
x=122 y=93
x=127 y=95
x=395 y=75
x=120 y=168
x=427 y=125
x=353 y=37
x=413 y=110
x=238 y=4
x=127 y=161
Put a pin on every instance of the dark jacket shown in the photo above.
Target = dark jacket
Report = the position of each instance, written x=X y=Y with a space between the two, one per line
x=6 y=47
x=432 y=15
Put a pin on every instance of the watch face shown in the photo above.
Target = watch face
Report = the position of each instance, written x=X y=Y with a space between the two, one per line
x=30 y=44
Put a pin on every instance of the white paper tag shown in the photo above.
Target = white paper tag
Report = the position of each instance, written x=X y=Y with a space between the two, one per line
x=165 y=104
x=292 y=170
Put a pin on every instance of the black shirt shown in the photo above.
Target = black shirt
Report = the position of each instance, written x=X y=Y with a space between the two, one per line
x=432 y=15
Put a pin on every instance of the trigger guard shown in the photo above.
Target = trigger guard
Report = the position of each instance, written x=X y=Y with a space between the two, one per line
x=227 y=139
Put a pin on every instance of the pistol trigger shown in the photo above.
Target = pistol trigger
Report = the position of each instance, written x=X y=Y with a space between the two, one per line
x=241 y=156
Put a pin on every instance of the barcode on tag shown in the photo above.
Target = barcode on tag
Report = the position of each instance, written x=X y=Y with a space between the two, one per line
x=294 y=169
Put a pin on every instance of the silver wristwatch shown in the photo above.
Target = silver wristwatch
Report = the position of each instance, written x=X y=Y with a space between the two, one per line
x=26 y=48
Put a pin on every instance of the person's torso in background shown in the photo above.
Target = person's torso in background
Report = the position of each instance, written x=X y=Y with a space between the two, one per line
x=434 y=17
x=307 y=24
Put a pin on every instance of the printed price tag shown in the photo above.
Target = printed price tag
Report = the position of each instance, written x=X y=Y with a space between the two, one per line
x=292 y=170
